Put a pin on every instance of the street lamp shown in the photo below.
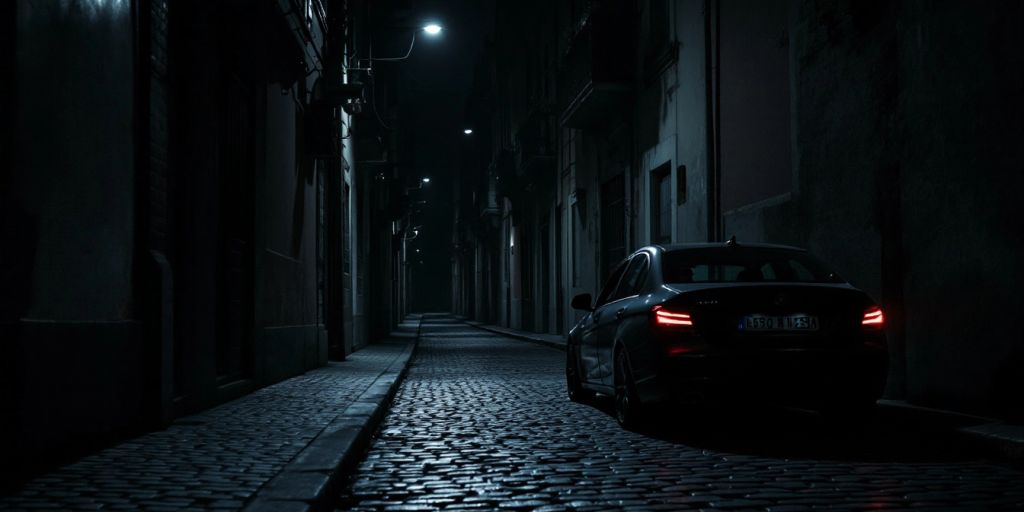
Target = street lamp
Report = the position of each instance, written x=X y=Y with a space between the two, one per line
x=468 y=131
x=423 y=181
x=431 y=29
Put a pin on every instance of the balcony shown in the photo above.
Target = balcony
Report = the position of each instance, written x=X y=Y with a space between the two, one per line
x=596 y=77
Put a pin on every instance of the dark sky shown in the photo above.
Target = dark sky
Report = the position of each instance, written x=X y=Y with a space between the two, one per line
x=434 y=85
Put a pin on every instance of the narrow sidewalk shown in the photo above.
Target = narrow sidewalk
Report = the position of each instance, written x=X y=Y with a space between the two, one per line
x=278 y=448
x=551 y=340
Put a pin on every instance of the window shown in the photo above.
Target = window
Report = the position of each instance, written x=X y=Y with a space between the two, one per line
x=680 y=184
x=613 y=222
x=661 y=205
x=658 y=48
x=633 y=280
x=744 y=265
x=610 y=284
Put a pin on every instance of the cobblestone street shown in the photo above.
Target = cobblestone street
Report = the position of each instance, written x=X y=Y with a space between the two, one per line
x=482 y=422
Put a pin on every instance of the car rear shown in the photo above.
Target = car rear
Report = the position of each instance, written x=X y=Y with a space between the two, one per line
x=800 y=341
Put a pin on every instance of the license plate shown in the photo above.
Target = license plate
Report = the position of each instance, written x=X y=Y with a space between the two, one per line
x=779 y=323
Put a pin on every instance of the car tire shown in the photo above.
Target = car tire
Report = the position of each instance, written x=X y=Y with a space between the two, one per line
x=573 y=381
x=628 y=410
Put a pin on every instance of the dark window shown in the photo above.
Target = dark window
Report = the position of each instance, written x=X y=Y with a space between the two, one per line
x=661 y=205
x=732 y=264
x=632 y=281
x=610 y=284
x=659 y=51
x=613 y=222
x=681 y=184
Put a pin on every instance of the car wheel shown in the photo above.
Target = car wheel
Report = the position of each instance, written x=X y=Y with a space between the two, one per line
x=628 y=410
x=573 y=381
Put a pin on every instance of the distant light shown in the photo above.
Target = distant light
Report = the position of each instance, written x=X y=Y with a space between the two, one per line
x=417 y=250
x=468 y=131
x=426 y=180
x=432 y=29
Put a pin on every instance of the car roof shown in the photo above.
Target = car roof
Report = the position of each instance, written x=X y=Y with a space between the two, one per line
x=680 y=247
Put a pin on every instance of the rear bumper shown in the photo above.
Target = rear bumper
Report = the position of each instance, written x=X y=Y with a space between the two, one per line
x=796 y=376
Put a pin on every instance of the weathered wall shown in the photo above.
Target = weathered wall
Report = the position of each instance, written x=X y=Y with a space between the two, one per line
x=907 y=170
x=195 y=155
x=961 y=173
x=76 y=130
x=68 y=314
x=290 y=328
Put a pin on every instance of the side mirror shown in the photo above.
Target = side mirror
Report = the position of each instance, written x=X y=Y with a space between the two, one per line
x=583 y=302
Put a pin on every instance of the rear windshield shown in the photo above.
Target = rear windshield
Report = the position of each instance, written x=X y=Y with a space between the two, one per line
x=742 y=264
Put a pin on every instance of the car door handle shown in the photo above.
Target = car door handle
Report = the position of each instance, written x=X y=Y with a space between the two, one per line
x=619 y=313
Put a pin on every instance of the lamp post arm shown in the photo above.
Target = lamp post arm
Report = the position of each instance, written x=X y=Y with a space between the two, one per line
x=406 y=56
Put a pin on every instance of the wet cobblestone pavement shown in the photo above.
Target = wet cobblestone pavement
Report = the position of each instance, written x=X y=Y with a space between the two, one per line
x=482 y=422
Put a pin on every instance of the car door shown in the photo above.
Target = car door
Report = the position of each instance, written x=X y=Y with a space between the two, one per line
x=614 y=311
x=589 y=360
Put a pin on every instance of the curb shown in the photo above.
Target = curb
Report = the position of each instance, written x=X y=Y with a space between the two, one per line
x=315 y=475
x=999 y=439
x=1005 y=441
x=516 y=334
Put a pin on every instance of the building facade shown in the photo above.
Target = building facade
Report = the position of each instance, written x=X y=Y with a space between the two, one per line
x=195 y=204
x=880 y=136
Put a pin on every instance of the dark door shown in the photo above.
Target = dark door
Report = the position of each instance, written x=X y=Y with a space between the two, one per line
x=237 y=164
x=526 y=255
x=661 y=205
x=544 y=257
x=559 y=274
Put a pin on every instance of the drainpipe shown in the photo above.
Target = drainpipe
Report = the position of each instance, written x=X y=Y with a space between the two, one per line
x=712 y=90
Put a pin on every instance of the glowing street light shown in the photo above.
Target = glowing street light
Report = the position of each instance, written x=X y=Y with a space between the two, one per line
x=468 y=131
x=431 y=29
x=425 y=180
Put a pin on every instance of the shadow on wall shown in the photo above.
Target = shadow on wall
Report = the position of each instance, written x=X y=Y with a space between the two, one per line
x=18 y=236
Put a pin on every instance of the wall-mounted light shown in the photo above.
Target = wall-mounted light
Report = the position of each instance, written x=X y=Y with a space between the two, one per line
x=425 y=180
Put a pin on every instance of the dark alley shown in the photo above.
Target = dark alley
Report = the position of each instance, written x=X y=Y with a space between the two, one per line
x=522 y=255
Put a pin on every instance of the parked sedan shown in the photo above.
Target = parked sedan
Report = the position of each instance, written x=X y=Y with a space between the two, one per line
x=751 y=321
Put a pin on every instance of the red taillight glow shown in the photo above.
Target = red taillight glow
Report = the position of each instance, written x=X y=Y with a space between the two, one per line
x=873 y=317
x=671 y=318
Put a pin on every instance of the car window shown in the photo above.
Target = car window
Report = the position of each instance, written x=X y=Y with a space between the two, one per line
x=610 y=284
x=739 y=264
x=633 y=278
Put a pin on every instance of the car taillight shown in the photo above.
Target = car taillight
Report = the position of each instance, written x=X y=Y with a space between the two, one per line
x=873 y=318
x=666 y=318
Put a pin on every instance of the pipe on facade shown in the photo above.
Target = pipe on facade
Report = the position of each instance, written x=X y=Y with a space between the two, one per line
x=712 y=130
